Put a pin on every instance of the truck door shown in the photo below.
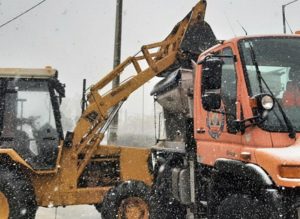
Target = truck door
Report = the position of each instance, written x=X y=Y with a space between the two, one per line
x=214 y=131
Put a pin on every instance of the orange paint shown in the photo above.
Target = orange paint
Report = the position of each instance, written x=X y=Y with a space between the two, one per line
x=274 y=152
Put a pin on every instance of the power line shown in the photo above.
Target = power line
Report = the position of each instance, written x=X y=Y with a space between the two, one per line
x=23 y=13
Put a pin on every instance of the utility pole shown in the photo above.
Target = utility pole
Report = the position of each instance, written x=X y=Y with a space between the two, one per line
x=117 y=57
x=283 y=15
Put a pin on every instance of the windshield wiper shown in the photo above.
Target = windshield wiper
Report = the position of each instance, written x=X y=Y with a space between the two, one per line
x=288 y=123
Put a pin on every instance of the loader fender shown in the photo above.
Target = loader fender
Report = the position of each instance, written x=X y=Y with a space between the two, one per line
x=247 y=171
x=9 y=155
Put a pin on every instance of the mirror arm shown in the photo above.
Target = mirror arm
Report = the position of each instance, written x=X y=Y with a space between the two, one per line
x=241 y=124
x=221 y=112
x=217 y=56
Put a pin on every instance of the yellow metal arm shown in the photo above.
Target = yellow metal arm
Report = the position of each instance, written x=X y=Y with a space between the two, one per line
x=89 y=129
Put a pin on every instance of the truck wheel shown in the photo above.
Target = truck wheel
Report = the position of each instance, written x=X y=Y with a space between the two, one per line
x=244 y=206
x=16 y=197
x=129 y=200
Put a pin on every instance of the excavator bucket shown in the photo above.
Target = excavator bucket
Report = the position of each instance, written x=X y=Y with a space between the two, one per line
x=197 y=37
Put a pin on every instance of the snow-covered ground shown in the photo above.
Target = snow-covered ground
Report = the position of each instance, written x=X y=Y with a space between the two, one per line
x=75 y=212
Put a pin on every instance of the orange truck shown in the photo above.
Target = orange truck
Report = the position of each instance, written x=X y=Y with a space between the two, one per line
x=231 y=146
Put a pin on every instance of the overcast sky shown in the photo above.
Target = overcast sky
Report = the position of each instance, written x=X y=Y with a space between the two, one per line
x=76 y=37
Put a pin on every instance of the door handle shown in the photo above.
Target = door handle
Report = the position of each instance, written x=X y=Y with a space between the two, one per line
x=200 y=130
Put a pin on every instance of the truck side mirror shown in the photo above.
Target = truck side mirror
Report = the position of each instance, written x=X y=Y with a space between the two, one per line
x=211 y=82
x=211 y=101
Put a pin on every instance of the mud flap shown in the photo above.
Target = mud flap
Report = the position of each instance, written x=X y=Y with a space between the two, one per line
x=272 y=197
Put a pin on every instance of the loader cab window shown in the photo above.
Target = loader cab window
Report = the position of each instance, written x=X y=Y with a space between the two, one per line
x=28 y=122
x=229 y=88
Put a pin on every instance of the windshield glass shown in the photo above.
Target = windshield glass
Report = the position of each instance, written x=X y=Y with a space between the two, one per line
x=28 y=123
x=278 y=62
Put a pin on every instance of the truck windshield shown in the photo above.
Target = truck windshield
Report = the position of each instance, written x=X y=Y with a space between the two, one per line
x=278 y=62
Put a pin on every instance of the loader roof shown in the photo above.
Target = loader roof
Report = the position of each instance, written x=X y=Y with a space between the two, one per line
x=47 y=72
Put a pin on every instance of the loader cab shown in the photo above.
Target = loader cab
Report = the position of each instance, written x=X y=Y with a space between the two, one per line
x=29 y=115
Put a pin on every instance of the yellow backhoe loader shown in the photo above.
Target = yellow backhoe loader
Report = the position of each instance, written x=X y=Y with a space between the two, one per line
x=39 y=166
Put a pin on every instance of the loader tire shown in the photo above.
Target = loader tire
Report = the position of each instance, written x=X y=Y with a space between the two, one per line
x=17 y=200
x=128 y=200
x=98 y=207
x=239 y=206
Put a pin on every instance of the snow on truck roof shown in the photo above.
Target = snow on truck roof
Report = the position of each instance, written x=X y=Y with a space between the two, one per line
x=27 y=72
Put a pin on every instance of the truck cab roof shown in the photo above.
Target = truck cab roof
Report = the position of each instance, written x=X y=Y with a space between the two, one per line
x=235 y=39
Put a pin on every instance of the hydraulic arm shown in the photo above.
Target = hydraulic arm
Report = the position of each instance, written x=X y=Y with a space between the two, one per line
x=158 y=57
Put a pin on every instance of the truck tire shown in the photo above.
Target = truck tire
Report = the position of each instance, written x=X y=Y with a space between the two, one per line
x=239 y=206
x=17 y=200
x=128 y=200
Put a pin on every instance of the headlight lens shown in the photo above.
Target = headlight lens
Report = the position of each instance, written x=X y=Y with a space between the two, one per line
x=267 y=102
x=289 y=171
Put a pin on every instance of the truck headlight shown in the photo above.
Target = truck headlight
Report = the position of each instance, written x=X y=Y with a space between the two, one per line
x=291 y=171
x=267 y=102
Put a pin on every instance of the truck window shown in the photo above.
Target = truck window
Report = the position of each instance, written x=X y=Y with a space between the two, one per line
x=229 y=88
x=278 y=64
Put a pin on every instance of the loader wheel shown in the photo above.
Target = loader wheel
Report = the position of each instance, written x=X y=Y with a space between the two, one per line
x=98 y=207
x=16 y=197
x=129 y=200
x=244 y=206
